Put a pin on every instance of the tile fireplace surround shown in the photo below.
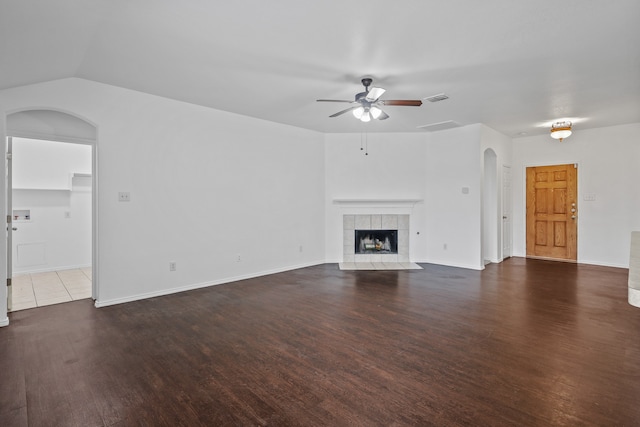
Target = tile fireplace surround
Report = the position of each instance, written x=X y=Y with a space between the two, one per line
x=350 y=223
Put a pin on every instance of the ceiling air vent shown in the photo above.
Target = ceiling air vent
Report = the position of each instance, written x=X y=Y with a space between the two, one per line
x=449 y=124
x=436 y=98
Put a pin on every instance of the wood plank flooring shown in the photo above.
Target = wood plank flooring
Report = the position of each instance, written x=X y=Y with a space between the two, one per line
x=522 y=343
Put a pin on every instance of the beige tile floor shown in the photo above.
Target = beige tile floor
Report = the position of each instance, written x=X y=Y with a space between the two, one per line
x=53 y=287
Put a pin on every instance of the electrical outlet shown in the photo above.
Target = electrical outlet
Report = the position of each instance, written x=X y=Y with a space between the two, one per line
x=444 y=246
x=172 y=266
x=124 y=196
x=239 y=258
x=300 y=248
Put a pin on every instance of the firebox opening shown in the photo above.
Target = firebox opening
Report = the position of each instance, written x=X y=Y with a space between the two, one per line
x=376 y=242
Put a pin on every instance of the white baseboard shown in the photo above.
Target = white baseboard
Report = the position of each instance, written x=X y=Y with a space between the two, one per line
x=634 y=297
x=4 y=322
x=603 y=264
x=114 y=301
x=467 y=266
x=49 y=269
x=586 y=261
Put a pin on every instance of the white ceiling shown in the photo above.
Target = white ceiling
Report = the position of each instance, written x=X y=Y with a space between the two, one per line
x=513 y=65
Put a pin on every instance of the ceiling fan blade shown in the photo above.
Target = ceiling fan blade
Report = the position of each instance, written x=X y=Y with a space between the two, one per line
x=401 y=102
x=332 y=100
x=374 y=93
x=339 y=113
x=383 y=116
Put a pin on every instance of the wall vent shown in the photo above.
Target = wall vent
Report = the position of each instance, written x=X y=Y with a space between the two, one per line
x=432 y=127
x=436 y=98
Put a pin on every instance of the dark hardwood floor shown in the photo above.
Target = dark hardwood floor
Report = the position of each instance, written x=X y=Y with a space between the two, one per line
x=522 y=343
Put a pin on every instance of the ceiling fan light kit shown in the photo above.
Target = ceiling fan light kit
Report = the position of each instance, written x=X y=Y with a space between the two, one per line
x=560 y=130
x=367 y=104
x=366 y=114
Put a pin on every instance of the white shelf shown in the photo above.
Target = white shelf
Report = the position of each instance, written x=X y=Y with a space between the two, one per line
x=67 y=187
x=41 y=189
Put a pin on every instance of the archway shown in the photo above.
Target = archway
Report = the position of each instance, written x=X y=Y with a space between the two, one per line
x=490 y=202
x=60 y=127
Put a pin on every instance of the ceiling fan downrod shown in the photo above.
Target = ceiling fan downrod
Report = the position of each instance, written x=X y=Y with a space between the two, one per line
x=366 y=82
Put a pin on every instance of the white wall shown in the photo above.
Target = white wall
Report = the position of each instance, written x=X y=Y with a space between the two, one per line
x=48 y=165
x=608 y=168
x=205 y=186
x=453 y=163
x=394 y=169
x=58 y=235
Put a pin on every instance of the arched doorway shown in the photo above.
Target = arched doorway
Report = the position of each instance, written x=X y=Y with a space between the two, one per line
x=490 y=202
x=55 y=128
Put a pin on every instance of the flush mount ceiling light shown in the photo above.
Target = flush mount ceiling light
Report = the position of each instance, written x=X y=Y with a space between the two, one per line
x=560 y=130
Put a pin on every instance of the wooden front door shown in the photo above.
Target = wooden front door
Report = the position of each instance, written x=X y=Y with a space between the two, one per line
x=552 y=211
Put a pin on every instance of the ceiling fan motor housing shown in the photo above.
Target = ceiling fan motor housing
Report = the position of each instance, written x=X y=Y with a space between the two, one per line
x=366 y=82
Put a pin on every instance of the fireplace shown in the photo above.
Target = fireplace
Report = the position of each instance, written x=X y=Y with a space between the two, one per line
x=377 y=229
x=376 y=242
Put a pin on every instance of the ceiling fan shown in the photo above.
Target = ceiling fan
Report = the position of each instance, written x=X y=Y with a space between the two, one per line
x=367 y=104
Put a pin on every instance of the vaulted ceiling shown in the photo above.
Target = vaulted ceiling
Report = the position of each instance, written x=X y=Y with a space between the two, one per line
x=513 y=65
